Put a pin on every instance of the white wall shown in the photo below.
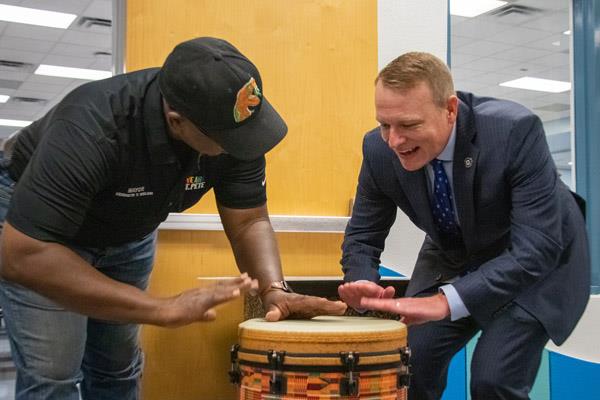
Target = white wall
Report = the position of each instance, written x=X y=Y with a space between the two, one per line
x=403 y=26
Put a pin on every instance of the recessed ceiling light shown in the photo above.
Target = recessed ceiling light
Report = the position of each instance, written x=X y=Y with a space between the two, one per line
x=68 y=72
x=538 y=84
x=14 y=122
x=567 y=32
x=473 y=8
x=33 y=16
x=4 y=98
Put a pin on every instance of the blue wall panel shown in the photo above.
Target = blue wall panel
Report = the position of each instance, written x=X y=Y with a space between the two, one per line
x=573 y=379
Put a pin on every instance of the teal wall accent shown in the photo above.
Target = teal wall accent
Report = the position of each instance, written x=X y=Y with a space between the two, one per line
x=586 y=88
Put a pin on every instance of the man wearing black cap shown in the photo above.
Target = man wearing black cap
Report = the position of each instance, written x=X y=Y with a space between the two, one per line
x=82 y=192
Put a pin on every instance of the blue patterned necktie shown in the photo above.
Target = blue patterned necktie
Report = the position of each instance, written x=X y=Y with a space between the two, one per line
x=441 y=201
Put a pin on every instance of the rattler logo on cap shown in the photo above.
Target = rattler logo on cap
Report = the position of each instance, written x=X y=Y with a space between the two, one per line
x=248 y=96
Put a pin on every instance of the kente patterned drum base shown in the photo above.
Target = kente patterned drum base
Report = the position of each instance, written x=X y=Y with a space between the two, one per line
x=324 y=358
x=379 y=385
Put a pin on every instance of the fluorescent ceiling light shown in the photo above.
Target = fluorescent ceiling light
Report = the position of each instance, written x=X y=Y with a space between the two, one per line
x=541 y=85
x=32 y=16
x=567 y=32
x=14 y=122
x=68 y=72
x=4 y=98
x=473 y=8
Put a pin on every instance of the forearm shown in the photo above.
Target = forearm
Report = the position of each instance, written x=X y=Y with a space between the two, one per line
x=256 y=252
x=60 y=274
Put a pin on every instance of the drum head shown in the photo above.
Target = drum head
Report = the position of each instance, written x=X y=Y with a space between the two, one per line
x=323 y=334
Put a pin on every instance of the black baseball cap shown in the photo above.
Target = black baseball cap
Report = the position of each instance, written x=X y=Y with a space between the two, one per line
x=212 y=84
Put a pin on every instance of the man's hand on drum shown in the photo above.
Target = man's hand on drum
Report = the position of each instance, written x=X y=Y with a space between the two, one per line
x=197 y=305
x=414 y=310
x=281 y=305
x=352 y=292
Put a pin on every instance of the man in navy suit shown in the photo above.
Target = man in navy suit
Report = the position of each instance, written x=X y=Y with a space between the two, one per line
x=505 y=252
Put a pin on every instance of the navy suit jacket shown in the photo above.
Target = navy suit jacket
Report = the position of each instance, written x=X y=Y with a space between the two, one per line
x=524 y=235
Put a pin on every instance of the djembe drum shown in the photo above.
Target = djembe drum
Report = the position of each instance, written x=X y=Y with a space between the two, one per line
x=322 y=358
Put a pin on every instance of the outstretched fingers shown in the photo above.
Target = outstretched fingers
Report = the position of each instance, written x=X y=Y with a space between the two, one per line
x=386 y=305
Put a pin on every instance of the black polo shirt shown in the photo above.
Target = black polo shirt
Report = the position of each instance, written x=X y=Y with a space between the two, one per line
x=100 y=168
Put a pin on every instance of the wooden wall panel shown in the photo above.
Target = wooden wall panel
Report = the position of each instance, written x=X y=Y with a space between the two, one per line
x=318 y=60
x=192 y=362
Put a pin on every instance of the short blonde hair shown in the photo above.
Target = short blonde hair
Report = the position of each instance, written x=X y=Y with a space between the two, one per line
x=410 y=69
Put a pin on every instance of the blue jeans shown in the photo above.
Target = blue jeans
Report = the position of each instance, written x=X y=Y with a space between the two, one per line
x=61 y=354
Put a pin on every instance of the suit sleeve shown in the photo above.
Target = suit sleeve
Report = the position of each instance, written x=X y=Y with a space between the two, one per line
x=373 y=215
x=536 y=244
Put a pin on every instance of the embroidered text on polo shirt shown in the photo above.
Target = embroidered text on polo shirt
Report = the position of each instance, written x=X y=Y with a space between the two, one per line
x=134 y=192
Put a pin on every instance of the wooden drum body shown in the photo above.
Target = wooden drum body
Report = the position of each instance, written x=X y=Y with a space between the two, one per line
x=323 y=358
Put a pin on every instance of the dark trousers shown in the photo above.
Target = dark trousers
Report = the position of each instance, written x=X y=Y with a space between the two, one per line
x=504 y=365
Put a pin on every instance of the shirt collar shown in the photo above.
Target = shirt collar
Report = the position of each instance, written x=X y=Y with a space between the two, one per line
x=448 y=153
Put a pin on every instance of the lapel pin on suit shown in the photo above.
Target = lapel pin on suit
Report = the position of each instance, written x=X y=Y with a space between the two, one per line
x=468 y=162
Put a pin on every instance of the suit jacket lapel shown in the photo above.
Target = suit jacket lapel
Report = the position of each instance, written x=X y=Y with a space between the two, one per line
x=463 y=172
x=414 y=185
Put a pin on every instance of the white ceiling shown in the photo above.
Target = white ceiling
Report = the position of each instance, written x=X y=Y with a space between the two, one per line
x=72 y=47
x=486 y=50
x=490 y=49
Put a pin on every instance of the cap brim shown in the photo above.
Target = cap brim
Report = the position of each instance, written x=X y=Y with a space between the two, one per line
x=254 y=138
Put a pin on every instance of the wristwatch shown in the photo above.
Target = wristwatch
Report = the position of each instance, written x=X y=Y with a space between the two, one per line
x=278 y=285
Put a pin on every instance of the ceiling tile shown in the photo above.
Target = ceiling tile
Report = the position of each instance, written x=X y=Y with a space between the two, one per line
x=66 y=61
x=553 y=42
x=518 y=35
x=469 y=86
x=484 y=48
x=65 y=6
x=477 y=29
x=86 y=38
x=19 y=110
x=519 y=54
x=459 y=73
x=492 y=78
x=500 y=92
x=42 y=88
x=100 y=29
x=26 y=44
x=460 y=59
x=35 y=94
x=512 y=19
x=53 y=80
x=553 y=60
x=75 y=50
x=560 y=74
x=103 y=63
x=9 y=84
x=527 y=68
x=557 y=22
x=489 y=64
x=525 y=94
x=21 y=56
x=12 y=2
x=457 y=41
x=99 y=9
x=13 y=75
x=548 y=4
x=34 y=32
